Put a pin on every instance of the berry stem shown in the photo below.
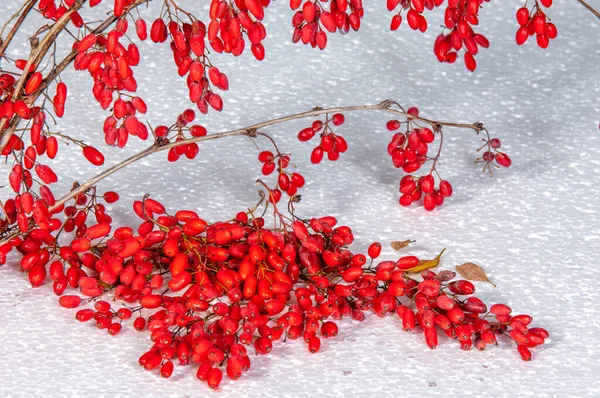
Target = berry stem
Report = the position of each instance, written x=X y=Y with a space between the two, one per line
x=247 y=131
x=590 y=8
x=22 y=14
x=36 y=57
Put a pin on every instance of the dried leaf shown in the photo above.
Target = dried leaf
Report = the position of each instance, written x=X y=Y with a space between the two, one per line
x=473 y=272
x=401 y=244
x=425 y=264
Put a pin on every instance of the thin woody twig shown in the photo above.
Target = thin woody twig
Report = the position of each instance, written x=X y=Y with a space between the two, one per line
x=25 y=9
x=54 y=73
x=590 y=9
x=385 y=106
x=42 y=49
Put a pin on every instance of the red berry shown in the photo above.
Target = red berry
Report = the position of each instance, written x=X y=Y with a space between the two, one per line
x=393 y=125
x=495 y=143
x=523 y=16
x=337 y=119
x=69 y=301
x=524 y=352
x=445 y=188
x=427 y=183
x=314 y=344
x=329 y=329
x=500 y=309
x=522 y=35
x=429 y=202
x=166 y=369
x=374 y=250
x=214 y=377
x=503 y=159
x=317 y=155
x=93 y=155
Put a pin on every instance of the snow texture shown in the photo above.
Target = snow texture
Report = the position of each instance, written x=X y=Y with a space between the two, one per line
x=535 y=227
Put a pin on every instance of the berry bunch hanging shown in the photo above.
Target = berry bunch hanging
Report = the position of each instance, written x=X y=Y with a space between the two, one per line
x=213 y=293
x=330 y=143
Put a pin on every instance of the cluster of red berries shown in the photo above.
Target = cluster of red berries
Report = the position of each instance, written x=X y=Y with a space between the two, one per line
x=110 y=64
x=492 y=157
x=408 y=150
x=176 y=132
x=229 y=21
x=41 y=143
x=236 y=287
x=286 y=182
x=535 y=22
x=331 y=143
x=312 y=21
x=50 y=10
x=414 y=15
x=413 y=189
x=10 y=108
x=460 y=17
x=188 y=47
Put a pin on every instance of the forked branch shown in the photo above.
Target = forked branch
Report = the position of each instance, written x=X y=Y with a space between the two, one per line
x=37 y=56
x=385 y=106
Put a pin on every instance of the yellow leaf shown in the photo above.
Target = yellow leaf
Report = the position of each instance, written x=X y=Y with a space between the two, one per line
x=425 y=264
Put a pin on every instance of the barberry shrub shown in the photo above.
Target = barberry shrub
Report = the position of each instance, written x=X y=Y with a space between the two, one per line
x=212 y=293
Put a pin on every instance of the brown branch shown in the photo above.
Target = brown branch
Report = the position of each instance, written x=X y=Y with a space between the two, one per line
x=45 y=45
x=385 y=106
x=54 y=73
x=26 y=8
x=38 y=53
x=590 y=8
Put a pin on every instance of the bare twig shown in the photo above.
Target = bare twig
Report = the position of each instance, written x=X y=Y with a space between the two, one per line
x=56 y=71
x=42 y=49
x=24 y=11
x=383 y=106
x=590 y=8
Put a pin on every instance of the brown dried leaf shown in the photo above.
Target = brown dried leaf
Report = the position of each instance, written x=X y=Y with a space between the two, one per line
x=74 y=186
x=473 y=272
x=401 y=244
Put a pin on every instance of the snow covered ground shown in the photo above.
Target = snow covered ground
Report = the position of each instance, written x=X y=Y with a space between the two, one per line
x=535 y=227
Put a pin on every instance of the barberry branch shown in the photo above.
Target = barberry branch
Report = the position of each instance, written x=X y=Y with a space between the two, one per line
x=382 y=106
x=22 y=14
x=40 y=51
x=36 y=58
x=590 y=8
x=386 y=106
x=256 y=266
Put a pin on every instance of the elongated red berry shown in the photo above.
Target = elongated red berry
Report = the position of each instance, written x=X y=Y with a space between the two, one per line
x=93 y=155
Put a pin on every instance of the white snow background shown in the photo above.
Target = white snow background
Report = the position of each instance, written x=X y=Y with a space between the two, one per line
x=534 y=227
